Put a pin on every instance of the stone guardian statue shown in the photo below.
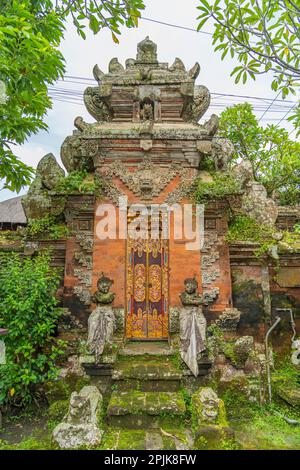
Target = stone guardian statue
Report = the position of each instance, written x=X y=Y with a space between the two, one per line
x=192 y=325
x=101 y=323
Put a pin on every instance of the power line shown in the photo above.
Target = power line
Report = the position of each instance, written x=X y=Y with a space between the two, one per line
x=269 y=106
x=286 y=114
x=212 y=93
x=186 y=28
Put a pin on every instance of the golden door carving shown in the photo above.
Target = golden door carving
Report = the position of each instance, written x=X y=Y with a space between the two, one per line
x=147 y=289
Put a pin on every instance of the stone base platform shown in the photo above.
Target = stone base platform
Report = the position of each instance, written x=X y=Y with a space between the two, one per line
x=147 y=373
x=153 y=348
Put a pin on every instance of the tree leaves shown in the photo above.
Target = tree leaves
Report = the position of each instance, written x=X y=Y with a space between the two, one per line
x=275 y=158
x=263 y=34
x=30 y=34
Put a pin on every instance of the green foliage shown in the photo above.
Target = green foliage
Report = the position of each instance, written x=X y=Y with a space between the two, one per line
x=30 y=35
x=75 y=182
x=29 y=62
x=274 y=157
x=99 y=14
x=222 y=185
x=244 y=228
x=28 y=308
x=297 y=228
x=29 y=443
x=263 y=35
x=56 y=413
x=48 y=225
x=286 y=373
x=13 y=172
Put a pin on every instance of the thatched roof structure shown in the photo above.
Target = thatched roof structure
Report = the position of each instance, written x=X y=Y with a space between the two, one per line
x=11 y=211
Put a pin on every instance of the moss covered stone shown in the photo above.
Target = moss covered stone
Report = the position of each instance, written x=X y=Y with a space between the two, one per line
x=214 y=438
x=207 y=408
x=135 y=409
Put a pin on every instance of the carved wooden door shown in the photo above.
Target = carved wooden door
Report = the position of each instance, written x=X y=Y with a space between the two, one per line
x=147 y=289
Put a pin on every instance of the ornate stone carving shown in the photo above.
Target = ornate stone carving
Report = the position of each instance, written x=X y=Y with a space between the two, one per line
x=146 y=144
x=210 y=295
x=209 y=409
x=209 y=277
x=146 y=51
x=97 y=73
x=96 y=105
x=147 y=181
x=101 y=323
x=102 y=295
x=83 y=276
x=80 y=124
x=84 y=259
x=183 y=189
x=192 y=325
x=208 y=260
x=198 y=106
x=77 y=152
x=115 y=67
x=257 y=205
x=194 y=71
x=80 y=426
x=85 y=241
x=254 y=201
x=190 y=296
x=101 y=328
x=210 y=239
x=212 y=124
x=147 y=110
x=83 y=294
x=229 y=319
x=177 y=65
x=38 y=202
x=222 y=150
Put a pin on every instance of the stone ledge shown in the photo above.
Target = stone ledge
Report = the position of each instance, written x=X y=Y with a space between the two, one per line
x=150 y=403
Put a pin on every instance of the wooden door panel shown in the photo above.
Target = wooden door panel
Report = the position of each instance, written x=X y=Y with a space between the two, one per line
x=147 y=289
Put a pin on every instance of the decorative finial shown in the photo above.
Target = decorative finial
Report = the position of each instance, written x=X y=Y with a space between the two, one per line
x=146 y=51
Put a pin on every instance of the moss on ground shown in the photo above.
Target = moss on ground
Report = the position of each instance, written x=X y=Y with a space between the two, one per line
x=115 y=439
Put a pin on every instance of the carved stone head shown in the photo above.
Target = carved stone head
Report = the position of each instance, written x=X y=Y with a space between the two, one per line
x=191 y=285
x=104 y=284
x=102 y=295
x=209 y=408
x=210 y=404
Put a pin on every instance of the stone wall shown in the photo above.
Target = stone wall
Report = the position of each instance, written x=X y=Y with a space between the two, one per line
x=79 y=250
x=259 y=287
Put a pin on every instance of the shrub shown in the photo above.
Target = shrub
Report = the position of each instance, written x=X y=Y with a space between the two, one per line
x=221 y=186
x=49 y=225
x=75 y=182
x=28 y=308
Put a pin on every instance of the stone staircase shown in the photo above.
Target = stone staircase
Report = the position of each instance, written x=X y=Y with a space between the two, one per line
x=146 y=389
x=146 y=410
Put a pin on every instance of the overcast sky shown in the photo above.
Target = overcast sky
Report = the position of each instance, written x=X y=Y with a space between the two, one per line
x=189 y=46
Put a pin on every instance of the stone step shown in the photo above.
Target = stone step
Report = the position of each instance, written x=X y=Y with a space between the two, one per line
x=143 y=410
x=151 y=348
x=147 y=385
x=147 y=439
x=147 y=373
